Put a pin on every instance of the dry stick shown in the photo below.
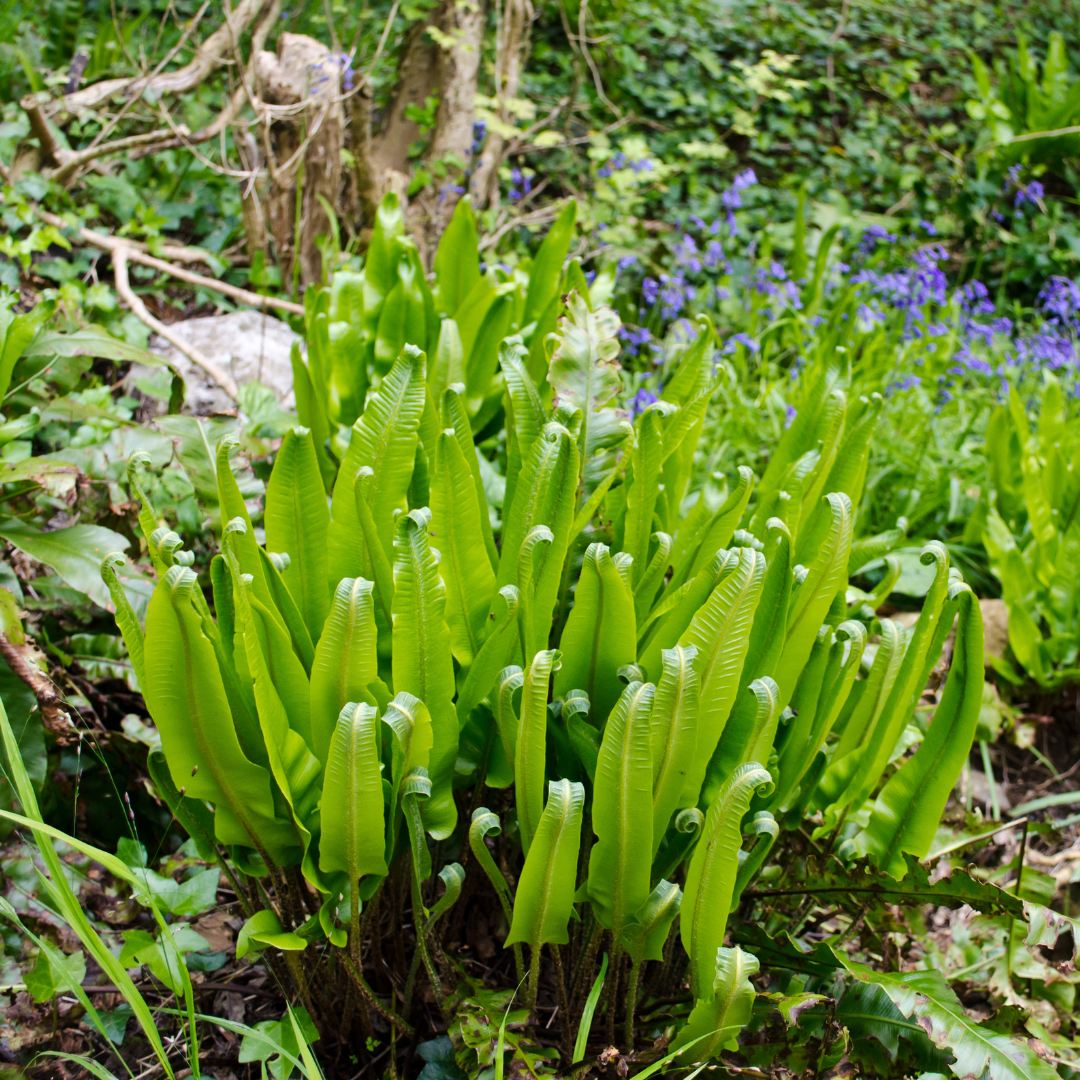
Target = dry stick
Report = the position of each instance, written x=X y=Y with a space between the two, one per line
x=112 y=244
x=123 y=287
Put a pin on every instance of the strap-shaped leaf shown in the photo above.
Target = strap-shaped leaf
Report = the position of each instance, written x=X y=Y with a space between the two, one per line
x=285 y=608
x=525 y=412
x=673 y=727
x=648 y=930
x=484 y=824
x=454 y=415
x=769 y=631
x=457 y=260
x=353 y=828
x=410 y=749
x=126 y=619
x=697 y=541
x=764 y=827
x=815 y=718
x=455 y=528
x=710 y=881
x=384 y=439
x=598 y=638
x=720 y=631
x=547 y=267
x=618 y=882
x=529 y=753
x=920 y=655
x=716 y=1020
x=809 y=605
x=231 y=503
x=422 y=663
x=585 y=375
x=545 y=892
x=643 y=488
x=281 y=702
x=907 y=812
x=649 y=582
x=296 y=520
x=499 y=647
x=545 y=496
x=673 y=613
x=345 y=661
x=448 y=367
x=533 y=550
x=748 y=736
x=187 y=701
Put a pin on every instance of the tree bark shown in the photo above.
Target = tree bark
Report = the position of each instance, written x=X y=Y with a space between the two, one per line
x=511 y=49
x=305 y=148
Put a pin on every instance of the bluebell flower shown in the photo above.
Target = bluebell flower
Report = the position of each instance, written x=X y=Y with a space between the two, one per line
x=739 y=339
x=790 y=412
x=928 y=227
x=641 y=401
x=872 y=235
x=905 y=383
x=650 y=290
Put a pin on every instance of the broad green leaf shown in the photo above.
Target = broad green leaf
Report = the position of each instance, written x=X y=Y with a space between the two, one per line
x=75 y=553
x=529 y=752
x=448 y=366
x=927 y=998
x=618 y=882
x=353 y=828
x=720 y=631
x=296 y=521
x=455 y=528
x=716 y=1021
x=673 y=733
x=908 y=810
x=285 y=609
x=384 y=439
x=422 y=662
x=498 y=649
x=21 y=337
x=598 y=638
x=545 y=892
x=710 y=880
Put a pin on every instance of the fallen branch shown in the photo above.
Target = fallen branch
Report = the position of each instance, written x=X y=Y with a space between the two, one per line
x=123 y=287
x=53 y=714
x=135 y=253
x=207 y=57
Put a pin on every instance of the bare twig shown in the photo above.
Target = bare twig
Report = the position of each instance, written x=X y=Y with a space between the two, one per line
x=112 y=244
x=207 y=57
x=119 y=260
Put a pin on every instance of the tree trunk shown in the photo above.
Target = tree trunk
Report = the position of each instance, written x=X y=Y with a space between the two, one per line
x=440 y=58
x=511 y=48
x=305 y=149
